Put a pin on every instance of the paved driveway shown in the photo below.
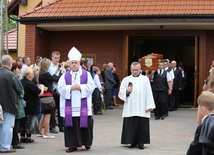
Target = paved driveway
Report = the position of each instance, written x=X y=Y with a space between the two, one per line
x=171 y=136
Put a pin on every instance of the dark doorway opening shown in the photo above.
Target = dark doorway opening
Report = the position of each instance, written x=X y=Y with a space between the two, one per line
x=180 y=49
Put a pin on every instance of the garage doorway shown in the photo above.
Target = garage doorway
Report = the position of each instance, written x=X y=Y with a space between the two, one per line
x=180 y=49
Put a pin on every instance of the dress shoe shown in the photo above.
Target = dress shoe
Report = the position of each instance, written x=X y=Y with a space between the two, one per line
x=87 y=147
x=19 y=146
x=71 y=150
x=29 y=140
x=9 y=151
x=157 y=118
x=26 y=140
x=61 y=129
x=133 y=146
x=53 y=131
x=96 y=113
x=23 y=140
x=141 y=146
x=162 y=117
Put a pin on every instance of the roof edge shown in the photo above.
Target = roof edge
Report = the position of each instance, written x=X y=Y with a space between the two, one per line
x=13 y=7
x=96 y=18
x=38 y=8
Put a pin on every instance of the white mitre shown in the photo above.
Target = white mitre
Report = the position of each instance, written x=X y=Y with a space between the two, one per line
x=74 y=54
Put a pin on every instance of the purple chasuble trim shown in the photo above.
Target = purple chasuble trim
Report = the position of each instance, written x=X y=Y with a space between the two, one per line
x=68 y=102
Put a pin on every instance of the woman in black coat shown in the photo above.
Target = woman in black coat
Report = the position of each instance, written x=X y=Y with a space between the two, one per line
x=29 y=124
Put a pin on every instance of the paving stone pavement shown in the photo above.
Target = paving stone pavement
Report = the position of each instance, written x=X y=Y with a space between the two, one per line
x=171 y=136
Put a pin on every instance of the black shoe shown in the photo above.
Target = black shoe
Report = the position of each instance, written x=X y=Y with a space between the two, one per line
x=61 y=129
x=157 y=118
x=53 y=131
x=141 y=146
x=96 y=113
x=9 y=151
x=109 y=108
x=162 y=117
x=133 y=146
x=29 y=140
x=87 y=147
x=19 y=146
x=23 y=140
x=71 y=150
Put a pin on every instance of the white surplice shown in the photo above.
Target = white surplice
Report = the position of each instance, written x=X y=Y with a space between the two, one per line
x=140 y=99
x=75 y=95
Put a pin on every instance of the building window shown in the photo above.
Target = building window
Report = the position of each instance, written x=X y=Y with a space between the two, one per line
x=90 y=57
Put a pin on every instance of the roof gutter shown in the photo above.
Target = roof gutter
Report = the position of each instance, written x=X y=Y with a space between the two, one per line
x=184 y=18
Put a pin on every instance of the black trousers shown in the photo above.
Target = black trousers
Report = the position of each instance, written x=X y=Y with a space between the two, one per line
x=15 y=139
x=174 y=100
x=53 y=119
x=96 y=100
x=160 y=98
x=108 y=96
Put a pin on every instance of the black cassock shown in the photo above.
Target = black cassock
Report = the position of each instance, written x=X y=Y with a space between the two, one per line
x=135 y=130
x=76 y=136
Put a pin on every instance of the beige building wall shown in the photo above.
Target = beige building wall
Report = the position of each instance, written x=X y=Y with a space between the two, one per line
x=21 y=28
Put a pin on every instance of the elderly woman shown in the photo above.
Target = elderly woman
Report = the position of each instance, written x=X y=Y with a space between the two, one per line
x=35 y=69
x=31 y=96
x=47 y=79
x=15 y=140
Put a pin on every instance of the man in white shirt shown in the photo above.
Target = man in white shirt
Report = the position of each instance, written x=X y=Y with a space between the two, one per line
x=26 y=64
x=55 y=71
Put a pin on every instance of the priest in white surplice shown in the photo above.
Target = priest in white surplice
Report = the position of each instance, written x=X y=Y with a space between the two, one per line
x=135 y=91
x=76 y=87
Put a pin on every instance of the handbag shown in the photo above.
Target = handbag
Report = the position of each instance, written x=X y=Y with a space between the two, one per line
x=47 y=101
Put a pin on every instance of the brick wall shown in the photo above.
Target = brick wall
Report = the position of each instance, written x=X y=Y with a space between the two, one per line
x=37 y=42
x=107 y=45
x=42 y=43
x=30 y=45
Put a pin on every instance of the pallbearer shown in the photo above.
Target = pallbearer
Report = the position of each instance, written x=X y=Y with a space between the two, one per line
x=75 y=88
x=135 y=91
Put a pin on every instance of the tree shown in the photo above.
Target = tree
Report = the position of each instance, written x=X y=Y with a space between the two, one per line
x=11 y=23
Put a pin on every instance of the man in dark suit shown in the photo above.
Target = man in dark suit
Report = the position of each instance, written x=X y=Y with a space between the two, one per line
x=177 y=86
x=109 y=82
x=161 y=88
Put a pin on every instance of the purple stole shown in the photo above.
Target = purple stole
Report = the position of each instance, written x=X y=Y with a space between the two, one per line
x=68 y=102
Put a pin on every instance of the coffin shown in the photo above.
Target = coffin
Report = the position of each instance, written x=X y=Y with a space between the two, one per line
x=150 y=61
x=159 y=56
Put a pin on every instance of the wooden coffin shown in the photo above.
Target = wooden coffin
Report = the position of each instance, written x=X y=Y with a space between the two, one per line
x=150 y=62
x=159 y=56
